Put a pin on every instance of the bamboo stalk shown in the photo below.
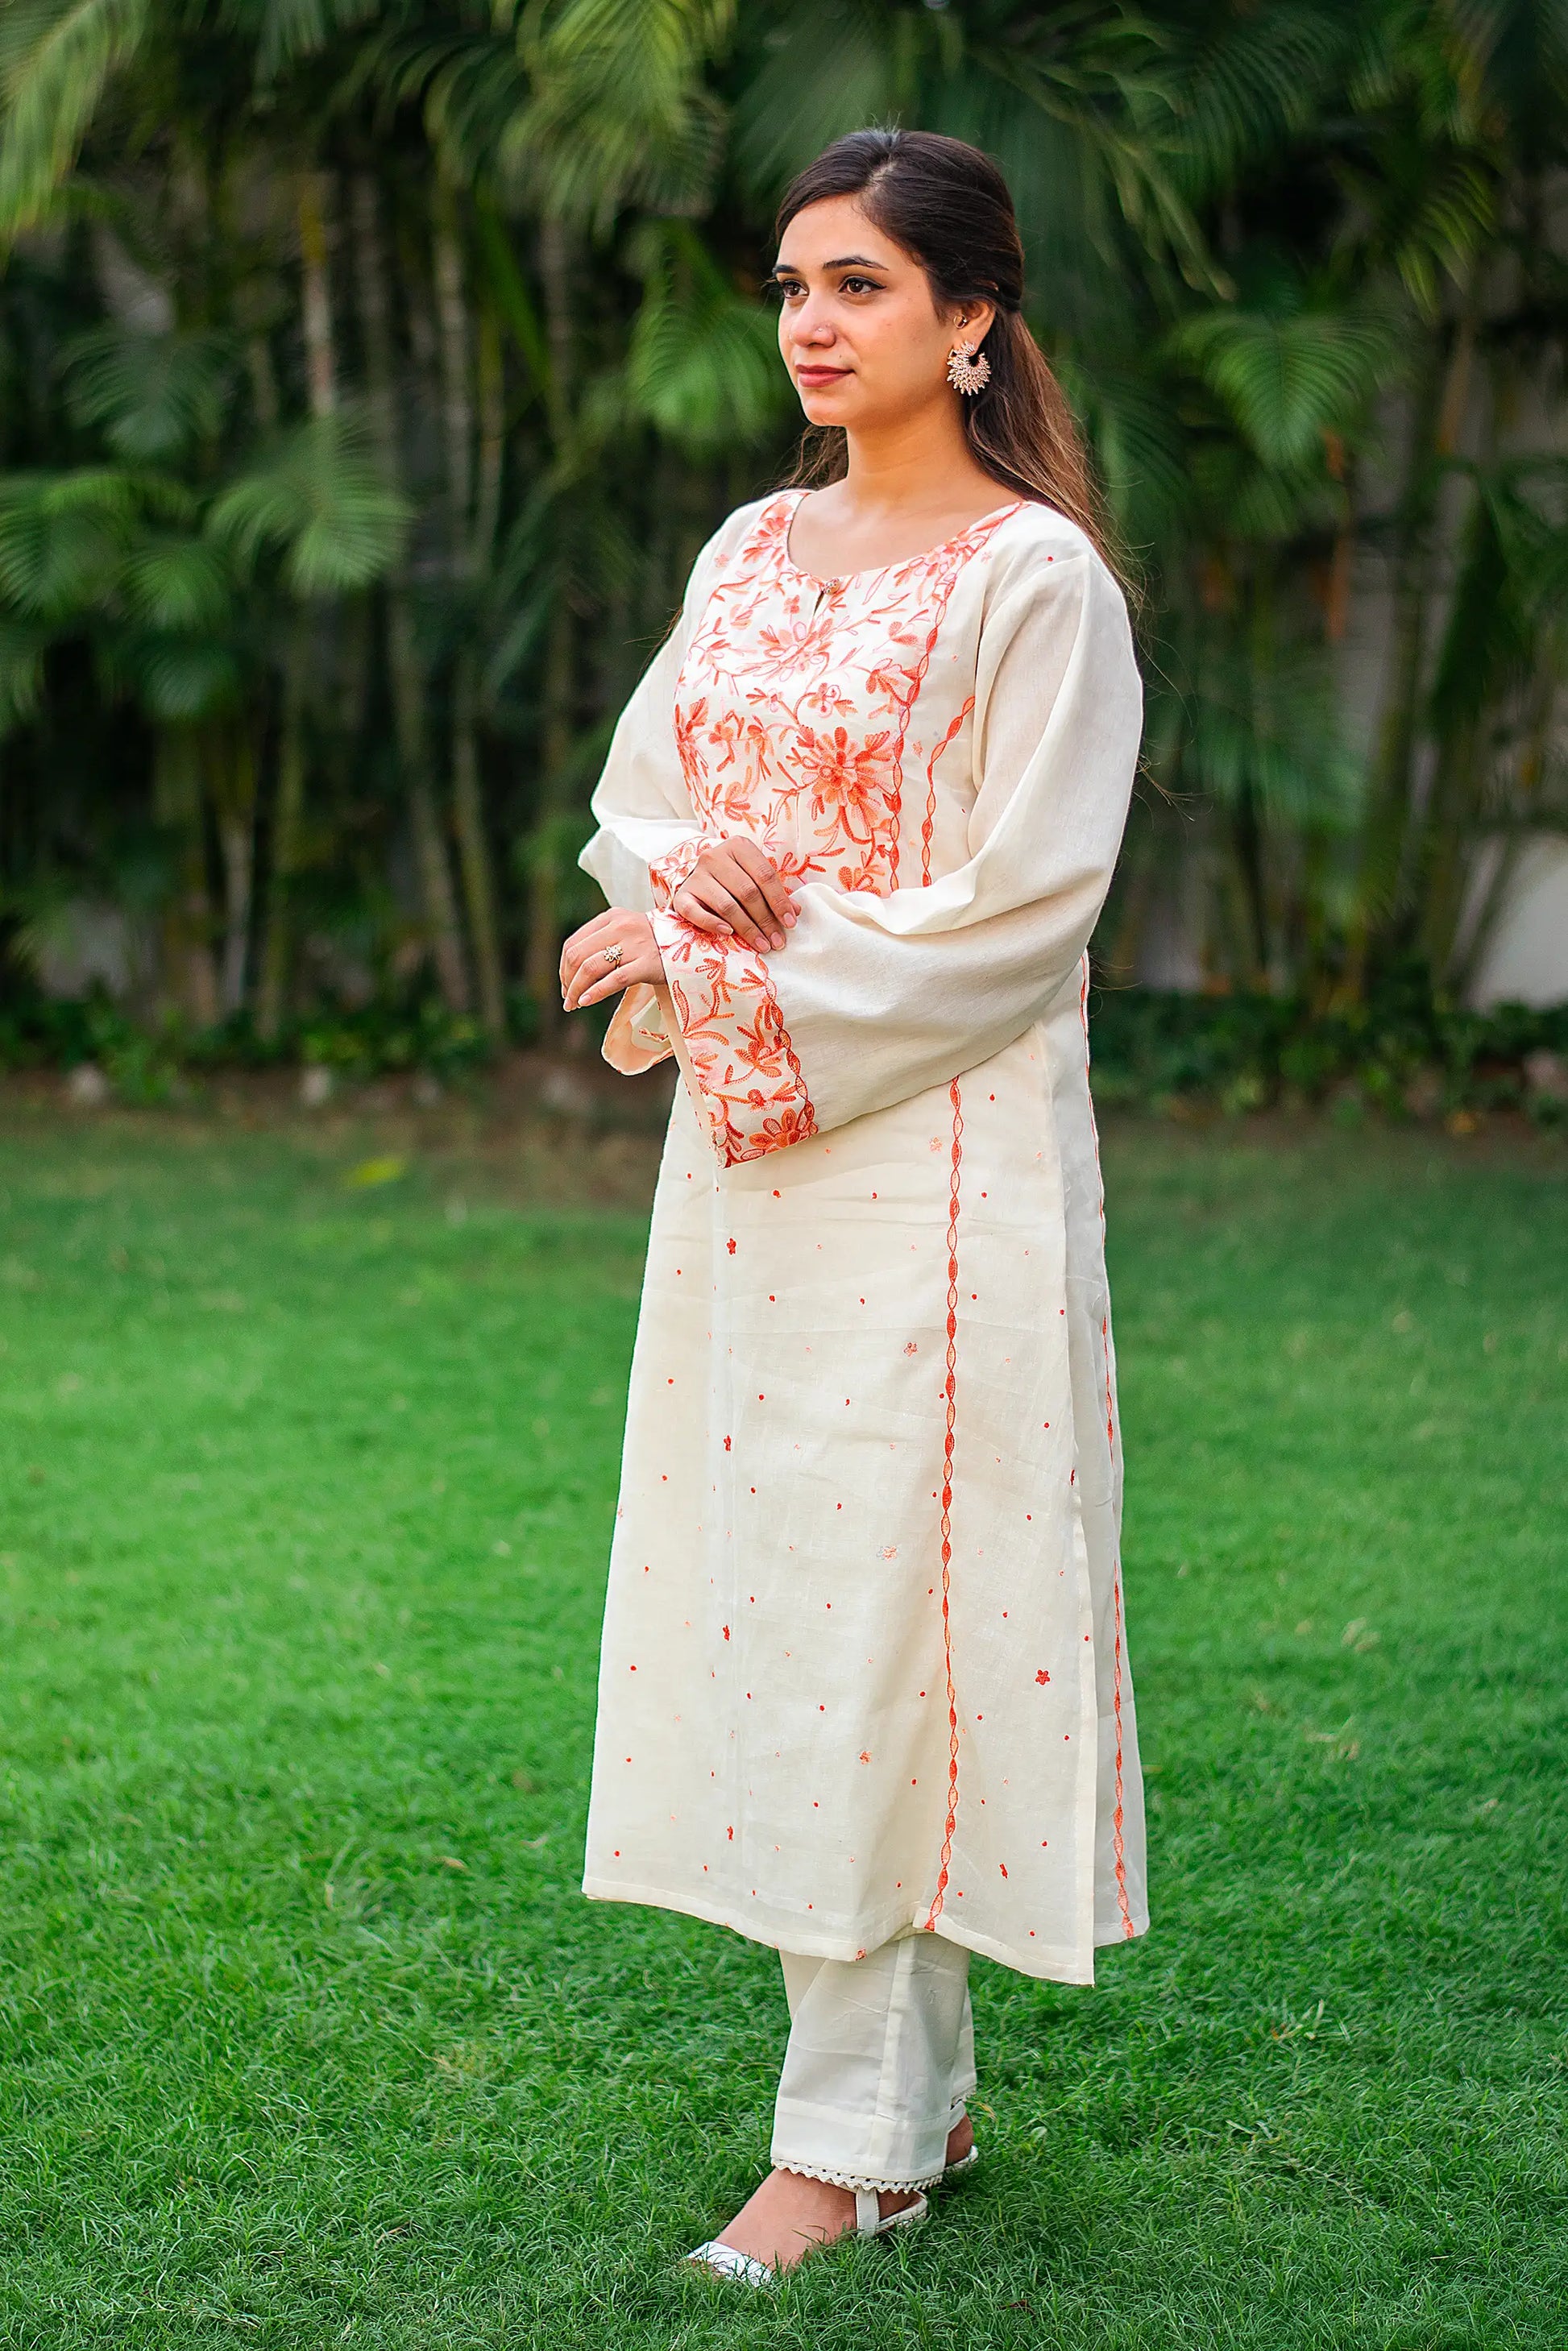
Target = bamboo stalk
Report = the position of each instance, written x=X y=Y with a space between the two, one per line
x=453 y=338
x=311 y=206
x=312 y=198
x=288 y=823
x=557 y=698
x=470 y=363
x=188 y=919
x=406 y=668
x=234 y=799
x=474 y=849
x=468 y=806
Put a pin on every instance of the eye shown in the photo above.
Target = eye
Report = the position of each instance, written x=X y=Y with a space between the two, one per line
x=859 y=285
x=786 y=287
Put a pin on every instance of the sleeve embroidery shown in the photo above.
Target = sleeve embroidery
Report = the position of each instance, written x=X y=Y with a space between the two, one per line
x=666 y=874
x=745 y=1078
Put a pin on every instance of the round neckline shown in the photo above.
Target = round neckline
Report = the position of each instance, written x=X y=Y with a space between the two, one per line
x=875 y=570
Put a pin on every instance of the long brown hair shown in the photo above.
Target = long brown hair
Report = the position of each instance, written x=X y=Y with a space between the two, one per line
x=948 y=206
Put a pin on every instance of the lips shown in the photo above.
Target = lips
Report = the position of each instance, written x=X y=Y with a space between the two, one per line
x=817 y=379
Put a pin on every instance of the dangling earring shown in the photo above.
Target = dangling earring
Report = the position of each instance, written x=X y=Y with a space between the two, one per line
x=966 y=373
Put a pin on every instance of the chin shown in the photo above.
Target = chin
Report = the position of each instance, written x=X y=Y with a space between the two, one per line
x=827 y=406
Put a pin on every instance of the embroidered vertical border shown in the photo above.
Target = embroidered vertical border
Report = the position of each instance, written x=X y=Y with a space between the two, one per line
x=976 y=536
x=1118 y=1811
x=950 y=1394
x=929 y=826
x=746 y=1113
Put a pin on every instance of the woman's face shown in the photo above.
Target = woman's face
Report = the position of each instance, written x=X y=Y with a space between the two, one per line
x=864 y=339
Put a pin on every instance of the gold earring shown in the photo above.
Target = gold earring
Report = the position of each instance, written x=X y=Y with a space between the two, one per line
x=966 y=372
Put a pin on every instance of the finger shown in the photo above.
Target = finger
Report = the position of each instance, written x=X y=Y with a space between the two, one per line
x=580 y=945
x=585 y=967
x=611 y=985
x=760 y=933
x=778 y=906
x=728 y=917
x=776 y=890
x=690 y=908
x=766 y=892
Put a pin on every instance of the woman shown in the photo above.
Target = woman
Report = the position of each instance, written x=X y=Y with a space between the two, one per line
x=864 y=1690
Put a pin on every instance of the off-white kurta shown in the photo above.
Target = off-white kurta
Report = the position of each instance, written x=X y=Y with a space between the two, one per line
x=864 y=1664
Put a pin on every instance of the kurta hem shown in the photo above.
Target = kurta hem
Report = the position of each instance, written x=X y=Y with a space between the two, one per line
x=1050 y=1964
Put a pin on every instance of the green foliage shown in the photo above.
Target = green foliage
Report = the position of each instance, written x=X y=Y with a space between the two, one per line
x=385 y=365
x=396 y=1035
x=57 y=58
x=702 y=363
x=1291 y=376
x=617 y=113
x=1401 y=1053
x=321 y=501
x=153 y=395
x=389 y=1037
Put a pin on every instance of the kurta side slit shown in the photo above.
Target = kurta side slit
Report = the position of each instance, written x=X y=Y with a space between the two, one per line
x=864 y=1664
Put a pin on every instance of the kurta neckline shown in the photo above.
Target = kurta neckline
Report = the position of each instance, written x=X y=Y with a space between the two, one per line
x=998 y=515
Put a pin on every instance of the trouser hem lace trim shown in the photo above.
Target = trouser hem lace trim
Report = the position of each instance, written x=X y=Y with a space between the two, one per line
x=860 y=2180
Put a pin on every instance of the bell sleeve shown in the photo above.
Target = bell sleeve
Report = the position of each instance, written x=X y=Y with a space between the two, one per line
x=874 y=998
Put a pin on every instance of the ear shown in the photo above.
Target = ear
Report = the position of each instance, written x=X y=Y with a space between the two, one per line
x=971 y=322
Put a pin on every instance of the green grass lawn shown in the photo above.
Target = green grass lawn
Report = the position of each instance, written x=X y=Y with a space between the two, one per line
x=308 y=2037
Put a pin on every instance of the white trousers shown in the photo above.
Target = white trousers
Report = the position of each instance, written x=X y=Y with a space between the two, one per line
x=880 y=2061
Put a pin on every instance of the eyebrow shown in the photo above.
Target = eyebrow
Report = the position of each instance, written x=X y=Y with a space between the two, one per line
x=844 y=261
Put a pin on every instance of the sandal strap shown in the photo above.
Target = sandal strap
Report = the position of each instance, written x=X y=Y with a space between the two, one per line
x=731 y=2263
x=869 y=2220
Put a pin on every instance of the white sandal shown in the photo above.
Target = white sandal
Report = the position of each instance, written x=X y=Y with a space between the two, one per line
x=964 y=2163
x=870 y=2221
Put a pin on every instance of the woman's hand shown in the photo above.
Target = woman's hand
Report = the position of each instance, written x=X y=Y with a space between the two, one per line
x=737 y=891
x=587 y=973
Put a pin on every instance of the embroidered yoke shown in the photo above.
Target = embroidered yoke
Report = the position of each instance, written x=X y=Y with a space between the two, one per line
x=864 y=1664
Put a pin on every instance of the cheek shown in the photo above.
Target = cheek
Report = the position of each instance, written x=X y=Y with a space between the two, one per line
x=902 y=346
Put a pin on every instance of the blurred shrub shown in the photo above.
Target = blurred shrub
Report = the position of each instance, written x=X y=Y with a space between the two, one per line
x=1404 y=1053
x=153 y=1063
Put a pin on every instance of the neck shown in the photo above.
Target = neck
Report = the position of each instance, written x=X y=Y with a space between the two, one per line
x=921 y=460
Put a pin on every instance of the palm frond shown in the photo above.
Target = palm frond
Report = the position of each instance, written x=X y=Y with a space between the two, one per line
x=172 y=583
x=321 y=503
x=1267 y=729
x=1256 y=82
x=178 y=680
x=61 y=538
x=153 y=395
x=827 y=70
x=56 y=59
x=1138 y=442
x=286 y=32
x=1288 y=377
x=703 y=366
x=23 y=646
x=619 y=112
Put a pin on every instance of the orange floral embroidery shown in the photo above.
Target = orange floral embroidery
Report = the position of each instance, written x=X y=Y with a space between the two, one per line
x=749 y=1086
x=795 y=698
x=792 y=711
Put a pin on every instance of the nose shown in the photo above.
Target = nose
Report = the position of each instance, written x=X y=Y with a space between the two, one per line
x=811 y=324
